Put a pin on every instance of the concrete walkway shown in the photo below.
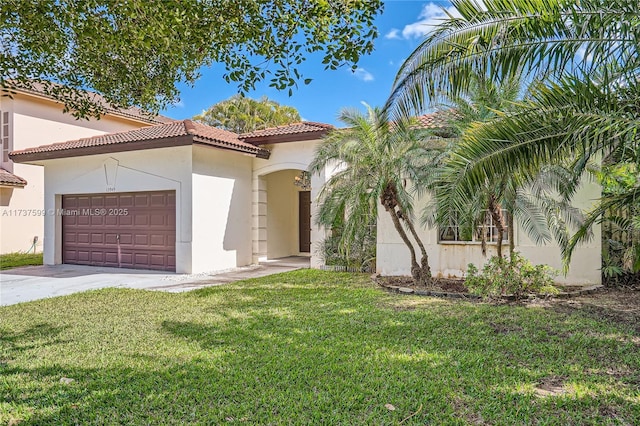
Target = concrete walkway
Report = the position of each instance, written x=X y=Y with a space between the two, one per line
x=40 y=282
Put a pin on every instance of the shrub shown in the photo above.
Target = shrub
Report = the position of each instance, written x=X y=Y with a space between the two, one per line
x=356 y=255
x=516 y=276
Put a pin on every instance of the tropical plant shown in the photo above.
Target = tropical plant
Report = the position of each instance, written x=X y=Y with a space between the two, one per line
x=374 y=159
x=583 y=59
x=515 y=276
x=540 y=204
x=135 y=52
x=358 y=254
x=241 y=114
x=620 y=223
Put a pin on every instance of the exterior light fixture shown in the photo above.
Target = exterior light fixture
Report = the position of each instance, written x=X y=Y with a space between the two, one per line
x=303 y=180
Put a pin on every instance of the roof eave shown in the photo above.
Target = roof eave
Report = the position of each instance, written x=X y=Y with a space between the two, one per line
x=293 y=137
x=255 y=151
x=108 y=110
x=12 y=185
x=101 y=149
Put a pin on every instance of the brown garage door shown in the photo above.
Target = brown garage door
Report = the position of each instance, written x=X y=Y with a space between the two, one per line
x=125 y=230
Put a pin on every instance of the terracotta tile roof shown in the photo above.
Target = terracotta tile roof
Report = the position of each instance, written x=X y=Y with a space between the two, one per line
x=289 y=129
x=36 y=88
x=9 y=179
x=199 y=133
x=435 y=119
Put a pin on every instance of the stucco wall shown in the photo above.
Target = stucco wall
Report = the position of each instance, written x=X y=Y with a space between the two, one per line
x=451 y=259
x=221 y=209
x=147 y=170
x=34 y=122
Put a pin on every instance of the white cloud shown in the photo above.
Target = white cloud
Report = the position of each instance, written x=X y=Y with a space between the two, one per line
x=178 y=104
x=363 y=74
x=431 y=15
x=394 y=34
x=580 y=54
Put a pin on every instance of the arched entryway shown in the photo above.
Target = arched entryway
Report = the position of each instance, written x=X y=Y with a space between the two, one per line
x=282 y=215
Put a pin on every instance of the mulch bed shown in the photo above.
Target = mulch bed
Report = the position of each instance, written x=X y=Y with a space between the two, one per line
x=448 y=285
x=455 y=288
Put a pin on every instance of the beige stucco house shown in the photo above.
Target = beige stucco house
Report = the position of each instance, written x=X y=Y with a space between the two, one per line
x=449 y=255
x=29 y=118
x=181 y=197
x=190 y=198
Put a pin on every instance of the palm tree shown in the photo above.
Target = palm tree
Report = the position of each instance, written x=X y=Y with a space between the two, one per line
x=375 y=159
x=483 y=101
x=241 y=114
x=540 y=204
x=583 y=59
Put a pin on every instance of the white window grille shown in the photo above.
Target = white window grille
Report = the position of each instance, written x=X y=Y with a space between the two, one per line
x=458 y=231
x=5 y=139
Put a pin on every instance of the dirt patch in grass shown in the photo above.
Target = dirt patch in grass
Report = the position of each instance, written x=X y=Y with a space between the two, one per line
x=617 y=305
x=550 y=386
x=614 y=304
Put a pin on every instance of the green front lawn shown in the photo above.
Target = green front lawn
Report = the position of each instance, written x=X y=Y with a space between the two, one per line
x=310 y=347
x=14 y=260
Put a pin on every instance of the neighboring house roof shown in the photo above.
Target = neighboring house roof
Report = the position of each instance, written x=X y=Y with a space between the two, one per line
x=134 y=113
x=176 y=133
x=435 y=120
x=9 y=179
x=302 y=131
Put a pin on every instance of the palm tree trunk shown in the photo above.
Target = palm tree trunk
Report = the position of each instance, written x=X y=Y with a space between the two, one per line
x=496 y=214
x=389 y=199
x=415 y=268
x=512 y=243
x=424 y=261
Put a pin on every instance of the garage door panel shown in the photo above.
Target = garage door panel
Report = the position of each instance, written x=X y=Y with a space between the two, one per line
x=141 y=220
x=97 y=256
x=158 y=240
x=157 y=219
x=97 y=220
x=125 y=201
x=141 y=200
x=70 y=255
x=144 y=238
x=82 y=256
x=157 y=260
x=126 y=239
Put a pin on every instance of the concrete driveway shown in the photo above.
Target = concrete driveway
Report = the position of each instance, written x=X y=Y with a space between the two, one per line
x=40 y=282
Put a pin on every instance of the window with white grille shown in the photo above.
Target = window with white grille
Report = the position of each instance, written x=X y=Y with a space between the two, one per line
x=460 y=231
x=5 y=137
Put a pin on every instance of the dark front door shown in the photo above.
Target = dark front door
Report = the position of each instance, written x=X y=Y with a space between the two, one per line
x=305 y=221
x=126 y=230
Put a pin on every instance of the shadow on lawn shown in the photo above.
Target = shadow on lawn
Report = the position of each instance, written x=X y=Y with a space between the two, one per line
x=276 y=364
x=12 y=342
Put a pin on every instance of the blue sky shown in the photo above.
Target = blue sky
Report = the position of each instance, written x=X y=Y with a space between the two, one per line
x=401 y=26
